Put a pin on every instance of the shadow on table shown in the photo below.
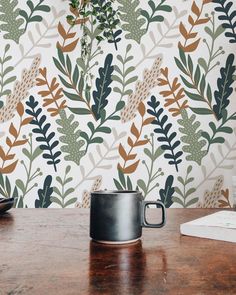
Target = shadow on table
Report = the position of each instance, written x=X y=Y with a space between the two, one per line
x=124 y=269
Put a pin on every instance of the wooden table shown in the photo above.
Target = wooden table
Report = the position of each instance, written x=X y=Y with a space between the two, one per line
x=48 y=251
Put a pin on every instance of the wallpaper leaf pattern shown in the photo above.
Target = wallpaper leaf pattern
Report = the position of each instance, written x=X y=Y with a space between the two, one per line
x=11 y=20
x=132 y=21
x=127 y=95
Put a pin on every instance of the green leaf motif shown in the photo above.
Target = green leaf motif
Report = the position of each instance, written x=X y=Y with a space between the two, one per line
x=61 y=194
x=153 y=173
x=5 y=187
x=122 y=74
x=31 y=17
x=31 y=174
x=215 y=138
x=123 y=183
x=192 y=138
x=199 y=90
x=71 y=142
x=10 y=20
x=5 y=71
x=132 y=19
x=182 y=197
x=153 y=17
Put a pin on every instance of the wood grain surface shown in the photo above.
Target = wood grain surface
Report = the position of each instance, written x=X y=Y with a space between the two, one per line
x=48 y=251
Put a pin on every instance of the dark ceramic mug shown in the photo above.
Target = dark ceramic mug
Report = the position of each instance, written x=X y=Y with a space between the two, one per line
x=117 y=217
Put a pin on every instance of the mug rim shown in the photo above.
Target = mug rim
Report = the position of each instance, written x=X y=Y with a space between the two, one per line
x=115 y=192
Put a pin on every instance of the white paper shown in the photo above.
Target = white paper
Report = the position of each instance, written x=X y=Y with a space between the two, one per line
x=225 y=219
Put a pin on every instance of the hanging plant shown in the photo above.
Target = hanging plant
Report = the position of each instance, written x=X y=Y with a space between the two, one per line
x=102 y=14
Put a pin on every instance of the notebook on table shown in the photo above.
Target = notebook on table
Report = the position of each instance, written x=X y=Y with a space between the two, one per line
x=217 y=226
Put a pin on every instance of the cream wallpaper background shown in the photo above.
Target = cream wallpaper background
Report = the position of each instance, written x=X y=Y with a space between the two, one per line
x=151 y=106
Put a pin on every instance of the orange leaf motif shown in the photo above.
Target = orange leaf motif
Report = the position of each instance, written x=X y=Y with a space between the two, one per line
x=141 y=109
x=131 y=168
x=9 y=169
x=20 y=109
x=173 y=95
x=13 y=130
x=122 y=152
x=134 y=131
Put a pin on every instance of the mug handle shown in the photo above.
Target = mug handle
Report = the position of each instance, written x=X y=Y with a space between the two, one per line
x=144 y=219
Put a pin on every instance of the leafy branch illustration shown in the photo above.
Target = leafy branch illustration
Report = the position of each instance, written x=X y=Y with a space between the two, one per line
x=26 y=186
x=5 y=70
x=229 y=18
x=130 y=13
x=166 y=193
x=174 y=94
x=153 y=154
x=52 y=95
x=33 y=15
x=182 y=196
x=11 y=21
x=123 y=182
x=156 y=12
x=214 y=33
x=43 y=135
x=193 y=141
x=68 y=127
x=225 y=88
x=5 y=188
x=165 y=136
x=194 y=20
x=122 y=73
x=215 y=138
x=61 y=193
x=169 y=33
x=44 y=194
x=109 y=154
x=199 y=89
x=71 y=141
x=47 y=32
x=100 y=128
x=14 y=142
x=74 y=83
x=128 y=156
x=103 y=88
x=219 y=163
x=192 y=136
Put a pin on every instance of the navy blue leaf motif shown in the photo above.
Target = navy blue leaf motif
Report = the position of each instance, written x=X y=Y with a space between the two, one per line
x=44 y=136
x=224 y=86
x=167 y=192
x=229 y=18
x=165 y=136
x=103 y=87
x=44 y=194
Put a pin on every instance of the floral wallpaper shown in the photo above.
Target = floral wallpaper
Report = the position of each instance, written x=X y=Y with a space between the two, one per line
x=117 y=95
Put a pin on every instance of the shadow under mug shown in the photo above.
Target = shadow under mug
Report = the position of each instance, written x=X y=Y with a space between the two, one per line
x=117 y=217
